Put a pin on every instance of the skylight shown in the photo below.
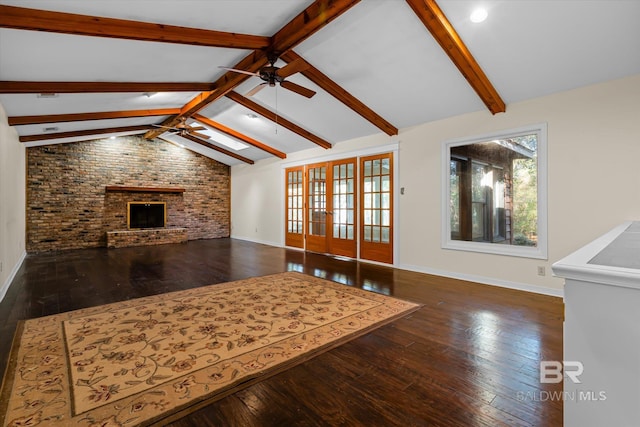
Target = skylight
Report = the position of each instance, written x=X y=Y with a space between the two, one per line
x=229 y=142
x=223 y=139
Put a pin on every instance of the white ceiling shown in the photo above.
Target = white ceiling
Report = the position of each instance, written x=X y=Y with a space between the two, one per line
x=379 y=51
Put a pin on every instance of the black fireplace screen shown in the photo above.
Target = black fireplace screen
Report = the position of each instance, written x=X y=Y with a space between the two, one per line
x=146 y=214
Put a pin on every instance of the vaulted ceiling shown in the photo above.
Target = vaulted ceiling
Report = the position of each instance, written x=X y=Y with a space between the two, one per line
x=74 y=70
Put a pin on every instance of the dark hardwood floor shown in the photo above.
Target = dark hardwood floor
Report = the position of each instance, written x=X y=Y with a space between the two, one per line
x=469 y=357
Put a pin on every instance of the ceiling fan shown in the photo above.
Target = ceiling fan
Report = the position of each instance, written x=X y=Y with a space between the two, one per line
x=182 y=129
x=270 y=74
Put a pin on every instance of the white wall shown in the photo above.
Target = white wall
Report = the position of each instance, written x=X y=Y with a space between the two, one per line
x=256 y=200
x=12 y=203
x=594 y=182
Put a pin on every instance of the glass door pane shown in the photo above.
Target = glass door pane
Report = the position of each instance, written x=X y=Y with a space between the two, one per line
x=343 y=201
x=377 y=208
x=294 y=196
x=377 y=200
x=317 y=191
x=316 y=209
x=342 y=209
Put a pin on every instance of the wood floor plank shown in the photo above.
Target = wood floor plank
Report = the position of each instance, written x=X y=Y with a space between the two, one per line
x=466 y=358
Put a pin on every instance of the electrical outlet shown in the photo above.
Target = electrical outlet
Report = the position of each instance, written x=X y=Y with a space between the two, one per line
x=541 y=270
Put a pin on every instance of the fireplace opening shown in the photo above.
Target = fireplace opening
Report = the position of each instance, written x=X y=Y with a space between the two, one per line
x=146 y=214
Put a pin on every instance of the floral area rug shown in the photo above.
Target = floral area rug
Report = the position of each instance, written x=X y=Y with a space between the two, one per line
x=150 y=360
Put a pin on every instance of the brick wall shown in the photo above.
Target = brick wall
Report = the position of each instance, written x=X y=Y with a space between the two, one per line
x=68 y=207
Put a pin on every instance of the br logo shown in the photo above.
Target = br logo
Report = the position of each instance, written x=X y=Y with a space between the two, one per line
x=551 y=371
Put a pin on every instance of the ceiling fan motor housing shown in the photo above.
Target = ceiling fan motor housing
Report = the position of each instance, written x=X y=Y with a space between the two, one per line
x=270 y=75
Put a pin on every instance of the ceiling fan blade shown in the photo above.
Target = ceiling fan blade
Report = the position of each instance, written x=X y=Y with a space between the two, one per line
x=292 y=68
x=256 y=89
x=300 y=90
x=199 y=135
x=197 y=128
x=240 y=71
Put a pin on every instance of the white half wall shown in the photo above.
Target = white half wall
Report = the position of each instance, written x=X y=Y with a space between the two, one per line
x=12 y=203
x=594 y=182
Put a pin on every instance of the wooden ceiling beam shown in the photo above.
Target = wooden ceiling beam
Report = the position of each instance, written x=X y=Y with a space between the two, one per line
x=253 y=62
x=178 y=144
x=268 y=114
x=71 y=134
x=443 y=32
x=235 y=134
x=340 y=94
x=100 y=87
x=69 y=23
x=216 y=148
x=79 y=117
x=308 y=22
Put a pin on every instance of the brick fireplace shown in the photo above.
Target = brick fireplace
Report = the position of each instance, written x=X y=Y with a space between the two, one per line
x=119 y=232
x=77 y=193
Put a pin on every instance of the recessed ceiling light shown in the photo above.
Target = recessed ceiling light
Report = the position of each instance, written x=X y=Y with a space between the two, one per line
x=478 y=15
x=47 y=95
x=252 y=116
x=50 y=129
x=150 y=94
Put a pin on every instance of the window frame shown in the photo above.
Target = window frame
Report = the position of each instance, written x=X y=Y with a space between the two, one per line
x=538 y=252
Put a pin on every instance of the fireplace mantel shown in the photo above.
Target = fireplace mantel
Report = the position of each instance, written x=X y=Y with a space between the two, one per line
x=122 y=188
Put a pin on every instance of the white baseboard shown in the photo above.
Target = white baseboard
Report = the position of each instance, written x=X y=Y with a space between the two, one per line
x=460 y=276
x=486 y=280
x=262 y=242
x=12 y=275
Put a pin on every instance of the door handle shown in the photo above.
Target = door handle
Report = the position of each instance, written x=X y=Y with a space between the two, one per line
x=328 y=213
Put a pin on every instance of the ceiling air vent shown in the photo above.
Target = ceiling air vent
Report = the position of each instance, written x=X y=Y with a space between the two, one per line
x=47 y=95
x=50 y=129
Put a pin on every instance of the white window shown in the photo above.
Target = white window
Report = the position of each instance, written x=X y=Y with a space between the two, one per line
x=494 y=196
